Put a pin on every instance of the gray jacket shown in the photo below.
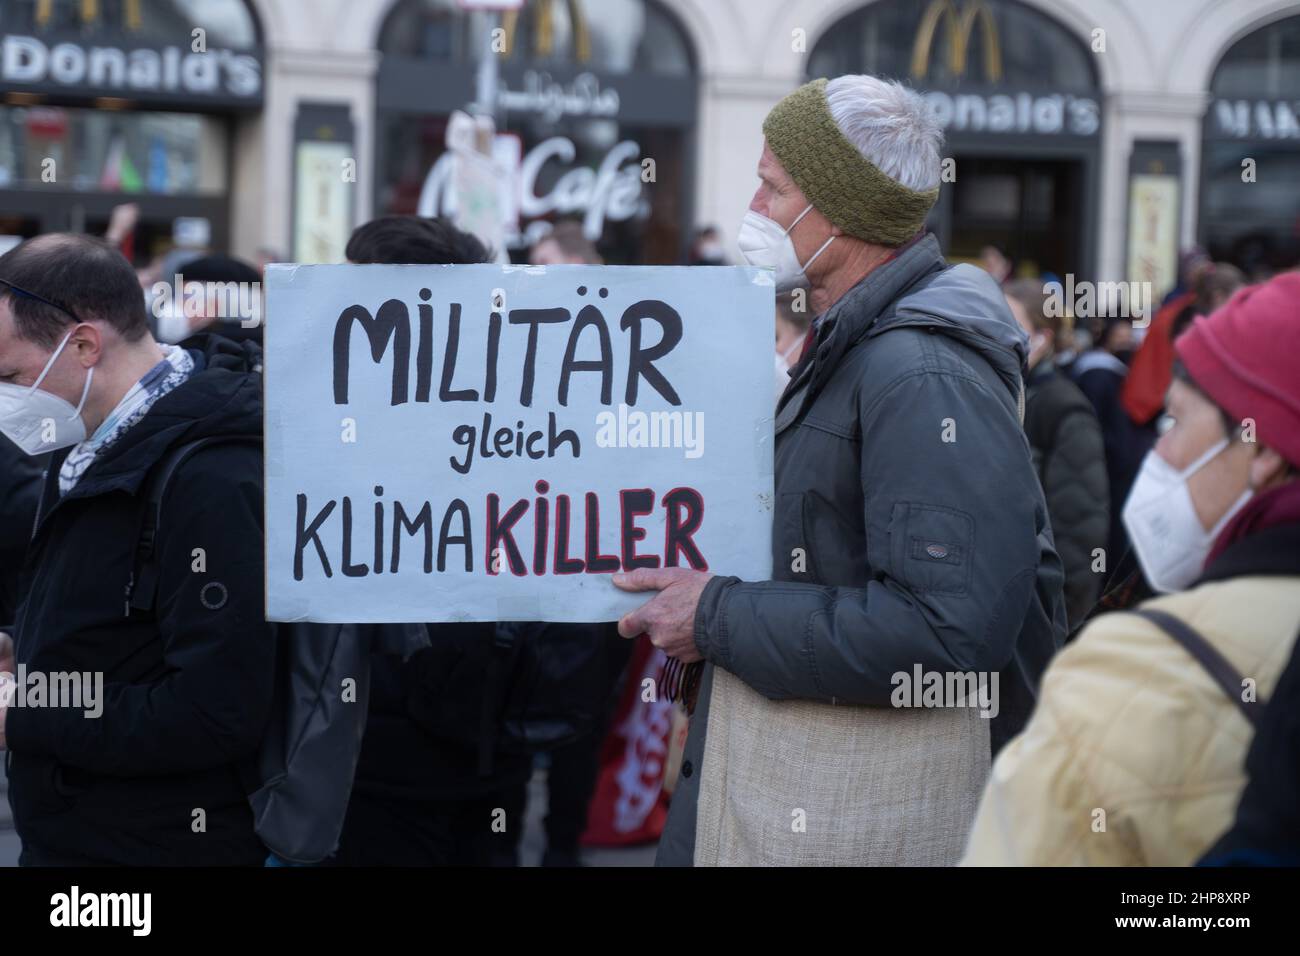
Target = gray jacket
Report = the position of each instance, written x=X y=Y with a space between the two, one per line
x=909 y=525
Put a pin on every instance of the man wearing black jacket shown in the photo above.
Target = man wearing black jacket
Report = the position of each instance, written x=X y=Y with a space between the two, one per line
x=159 y=775
x=1069 y=452
x=437 y=782
x=420 y=796
x=20 y=489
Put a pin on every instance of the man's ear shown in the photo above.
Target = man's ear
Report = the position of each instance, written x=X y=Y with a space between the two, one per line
x=1267 y=469
x=88 y=343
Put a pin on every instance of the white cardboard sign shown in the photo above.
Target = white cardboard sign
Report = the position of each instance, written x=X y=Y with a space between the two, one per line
x=486 y=442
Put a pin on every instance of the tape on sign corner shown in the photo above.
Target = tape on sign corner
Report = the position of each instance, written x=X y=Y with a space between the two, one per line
x=289 y=611
x=527 y=268
x=763 y=445
x=280 y=274
x=762 y=276
x=273 y=445
x=524 y=608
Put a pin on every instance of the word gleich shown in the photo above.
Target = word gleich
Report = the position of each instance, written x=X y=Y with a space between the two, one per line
x=560 y=537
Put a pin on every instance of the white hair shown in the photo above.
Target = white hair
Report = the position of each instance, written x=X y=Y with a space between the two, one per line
x=890 y=125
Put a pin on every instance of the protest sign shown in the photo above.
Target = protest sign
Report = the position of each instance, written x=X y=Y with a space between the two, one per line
x=485 y=442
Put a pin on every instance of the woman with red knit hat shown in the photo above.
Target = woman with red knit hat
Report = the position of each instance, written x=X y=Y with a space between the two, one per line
x=1135 y=754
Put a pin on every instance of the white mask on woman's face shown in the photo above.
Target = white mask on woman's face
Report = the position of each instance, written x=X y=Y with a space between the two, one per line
x=38 y=421
x=1170 y=541
x=766 y=245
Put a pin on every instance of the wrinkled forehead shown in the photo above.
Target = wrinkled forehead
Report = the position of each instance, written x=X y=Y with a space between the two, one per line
x=770 y=168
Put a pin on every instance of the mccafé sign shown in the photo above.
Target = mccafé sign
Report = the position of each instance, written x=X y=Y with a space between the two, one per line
x=1021 y=111
x=609 y=192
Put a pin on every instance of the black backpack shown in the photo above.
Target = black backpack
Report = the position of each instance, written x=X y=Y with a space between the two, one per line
x=510 y=687
x=301 y=780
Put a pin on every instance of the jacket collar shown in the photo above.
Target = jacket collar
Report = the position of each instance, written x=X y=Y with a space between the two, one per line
x=850 y=319
x=1095 y=359
x=1040 y=373
x=1272 y=551
x=221 y=397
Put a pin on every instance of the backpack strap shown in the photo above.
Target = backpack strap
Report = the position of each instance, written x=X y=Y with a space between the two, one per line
x=1205 y=654
x=500 y=660
x=142 y=587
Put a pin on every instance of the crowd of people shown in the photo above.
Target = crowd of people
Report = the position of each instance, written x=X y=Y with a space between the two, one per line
x=1089 y=527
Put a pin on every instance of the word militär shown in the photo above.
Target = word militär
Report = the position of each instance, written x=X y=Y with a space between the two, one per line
x=390 y=325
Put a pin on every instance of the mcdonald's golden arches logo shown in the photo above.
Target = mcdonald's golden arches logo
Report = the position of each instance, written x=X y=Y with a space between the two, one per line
x=544 y=34
x=89 y=11
x=958 y=27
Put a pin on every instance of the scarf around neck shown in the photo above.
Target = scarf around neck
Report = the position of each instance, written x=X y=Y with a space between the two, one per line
x=175 y=368
x=1277 y=506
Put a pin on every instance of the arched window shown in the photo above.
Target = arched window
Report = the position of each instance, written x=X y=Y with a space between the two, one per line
x=229 y=23
x=1250 y=179
x=1016 y=93
x=612 y=36
x=949 y=44
x=1265 y=63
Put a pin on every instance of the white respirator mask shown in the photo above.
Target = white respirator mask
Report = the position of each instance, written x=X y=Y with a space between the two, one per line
x=38 y=421
x=1170 y=541
x=766 y=245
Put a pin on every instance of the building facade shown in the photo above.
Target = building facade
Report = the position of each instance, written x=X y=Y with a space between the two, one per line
x=1088 y=136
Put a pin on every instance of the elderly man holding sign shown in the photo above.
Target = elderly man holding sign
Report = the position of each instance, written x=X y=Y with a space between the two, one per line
x=846 y=711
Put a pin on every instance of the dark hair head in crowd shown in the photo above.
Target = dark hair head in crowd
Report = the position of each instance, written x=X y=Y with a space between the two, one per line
x=997 y=262
x=219 y=269
x=1216 y=284
x=570 y=242
x=1032 y=295
x=82 y=276
x=413 y=239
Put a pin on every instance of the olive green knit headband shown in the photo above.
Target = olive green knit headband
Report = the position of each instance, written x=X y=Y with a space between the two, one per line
x=844 y=186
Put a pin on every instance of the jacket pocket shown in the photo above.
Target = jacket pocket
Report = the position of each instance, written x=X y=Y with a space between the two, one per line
x=930 y=547
x=36 y=788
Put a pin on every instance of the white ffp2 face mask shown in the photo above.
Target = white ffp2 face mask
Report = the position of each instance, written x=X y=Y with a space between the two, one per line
x=38 y=421
x=766 y=245
x=1169 y=539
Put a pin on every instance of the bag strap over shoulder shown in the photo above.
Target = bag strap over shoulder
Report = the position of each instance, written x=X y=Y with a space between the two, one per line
x=505 y=646
x=1205 y=654
x=142 y=588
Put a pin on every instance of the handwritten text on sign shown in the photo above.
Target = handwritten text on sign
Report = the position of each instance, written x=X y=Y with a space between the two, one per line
x=454 y=443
